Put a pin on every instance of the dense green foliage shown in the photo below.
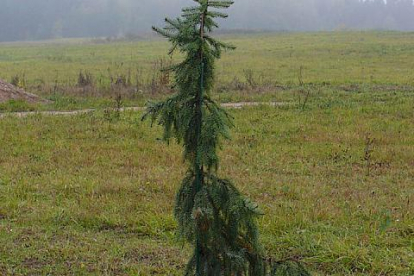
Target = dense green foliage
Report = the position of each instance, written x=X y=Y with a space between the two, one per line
x=212 y=215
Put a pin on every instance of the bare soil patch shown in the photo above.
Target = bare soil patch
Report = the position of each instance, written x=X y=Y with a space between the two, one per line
x=11 y=92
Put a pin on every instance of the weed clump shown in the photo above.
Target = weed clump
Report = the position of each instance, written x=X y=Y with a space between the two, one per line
x=85 y=79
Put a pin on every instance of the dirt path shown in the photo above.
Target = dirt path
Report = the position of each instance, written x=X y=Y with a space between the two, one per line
x=84 y=111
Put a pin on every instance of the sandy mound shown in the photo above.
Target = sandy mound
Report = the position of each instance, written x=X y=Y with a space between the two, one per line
x=11 y=92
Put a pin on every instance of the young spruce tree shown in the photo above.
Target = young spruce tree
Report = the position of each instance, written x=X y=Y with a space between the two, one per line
x=212 y=214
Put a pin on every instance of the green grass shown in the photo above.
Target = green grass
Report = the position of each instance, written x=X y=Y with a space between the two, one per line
x=369 y=60
x=86 y=195
x=337 y=58
x=17 y=106
x=93 y=194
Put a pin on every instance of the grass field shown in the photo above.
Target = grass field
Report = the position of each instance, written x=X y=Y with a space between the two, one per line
x=93 y=194
x=51 y=69
x=337 y=58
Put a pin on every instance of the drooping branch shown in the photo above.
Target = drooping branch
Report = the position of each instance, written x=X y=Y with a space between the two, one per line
x=212 y=214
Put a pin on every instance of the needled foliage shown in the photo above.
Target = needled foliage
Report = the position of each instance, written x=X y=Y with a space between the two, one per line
x=212 y=214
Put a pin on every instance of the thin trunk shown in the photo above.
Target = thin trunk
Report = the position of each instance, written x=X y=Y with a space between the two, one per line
x=199 y=170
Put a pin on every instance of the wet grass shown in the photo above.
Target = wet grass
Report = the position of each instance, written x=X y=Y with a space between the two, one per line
x=93 y=194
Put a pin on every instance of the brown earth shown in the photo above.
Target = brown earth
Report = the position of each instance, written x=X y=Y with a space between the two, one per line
x=11 y=92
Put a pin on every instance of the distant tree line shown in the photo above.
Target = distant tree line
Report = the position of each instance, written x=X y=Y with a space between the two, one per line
x=43 y=19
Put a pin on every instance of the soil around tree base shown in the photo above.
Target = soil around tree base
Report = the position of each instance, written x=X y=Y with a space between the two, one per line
x=10 y=92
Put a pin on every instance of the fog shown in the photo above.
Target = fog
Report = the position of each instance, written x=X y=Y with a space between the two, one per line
x=45 y=19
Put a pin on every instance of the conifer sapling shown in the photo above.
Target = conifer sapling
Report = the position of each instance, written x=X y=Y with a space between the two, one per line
x=212 y=214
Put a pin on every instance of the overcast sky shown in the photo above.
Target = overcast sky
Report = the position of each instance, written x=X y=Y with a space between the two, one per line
x=44 y=19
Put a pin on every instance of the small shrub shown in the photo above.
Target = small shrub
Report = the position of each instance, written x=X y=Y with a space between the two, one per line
x=250 y=78
x=85 y=79
x=160 y=79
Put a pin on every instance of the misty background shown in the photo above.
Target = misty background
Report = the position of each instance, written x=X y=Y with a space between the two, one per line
x=45 y=19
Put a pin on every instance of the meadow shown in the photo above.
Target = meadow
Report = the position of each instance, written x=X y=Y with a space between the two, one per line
x=336 y=58
x=332 y=168
x=265 y=62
